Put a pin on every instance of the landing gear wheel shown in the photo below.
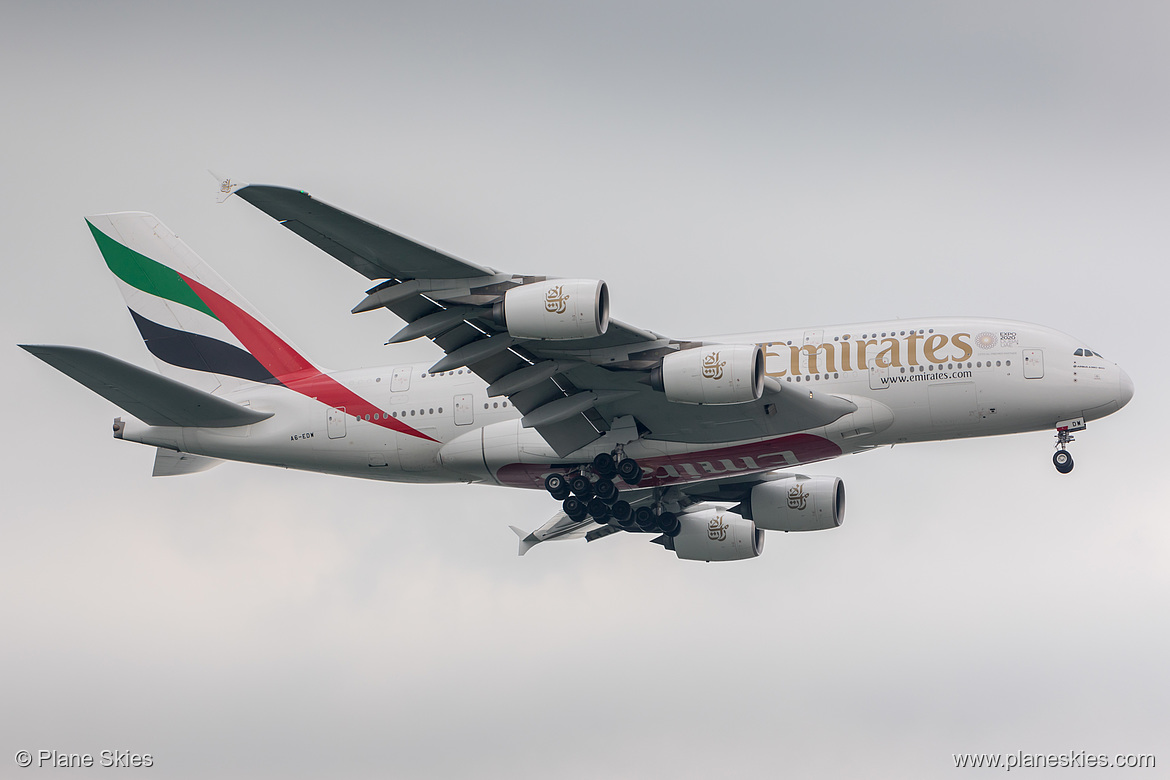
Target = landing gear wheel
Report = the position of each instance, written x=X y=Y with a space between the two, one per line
x=604 y=465
x=599 y=509
x=557 y=486
x=581 y=486
x=669 y=524
x=1063 y=461
x=644 y=519
x=574 y=508
x=629 y=470
x=621 y=513
x=605 y=490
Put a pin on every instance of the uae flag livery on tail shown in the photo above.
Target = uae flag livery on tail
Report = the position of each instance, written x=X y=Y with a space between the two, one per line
x=199 y=329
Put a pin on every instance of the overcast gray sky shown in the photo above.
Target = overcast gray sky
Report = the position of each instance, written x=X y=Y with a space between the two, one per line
x=726 y=168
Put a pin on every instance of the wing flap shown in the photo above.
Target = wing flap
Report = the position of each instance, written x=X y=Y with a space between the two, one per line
x=568 y=435
x=151 y=397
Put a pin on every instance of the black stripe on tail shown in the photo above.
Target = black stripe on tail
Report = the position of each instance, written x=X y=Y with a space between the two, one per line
x=200 y=353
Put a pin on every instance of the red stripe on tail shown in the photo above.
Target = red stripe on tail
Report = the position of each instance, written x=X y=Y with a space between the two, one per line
x=290 y=368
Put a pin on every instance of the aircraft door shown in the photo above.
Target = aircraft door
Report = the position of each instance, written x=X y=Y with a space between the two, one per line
x=400 y=380
x=1033 y=364
x=953 y=405
x=878 y=377
x=812 y=338
x=464 y=412
x=335 y=423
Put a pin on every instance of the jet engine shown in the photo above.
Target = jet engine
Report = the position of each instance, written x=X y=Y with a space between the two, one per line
x=716 y=535
x=556 y=309
x=712 y=374
x=799 y=503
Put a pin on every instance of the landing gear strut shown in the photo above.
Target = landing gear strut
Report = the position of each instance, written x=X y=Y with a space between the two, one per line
x=1062 y=458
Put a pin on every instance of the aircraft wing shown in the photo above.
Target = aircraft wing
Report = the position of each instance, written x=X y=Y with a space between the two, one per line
x=373 y=252
x=569 y=390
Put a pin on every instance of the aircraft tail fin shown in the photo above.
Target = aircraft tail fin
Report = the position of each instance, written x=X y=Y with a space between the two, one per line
x=152 y=398
x=198 y=329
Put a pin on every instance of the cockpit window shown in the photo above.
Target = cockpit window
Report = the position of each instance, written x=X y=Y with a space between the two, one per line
x=1079 y=353
x=1086 y=352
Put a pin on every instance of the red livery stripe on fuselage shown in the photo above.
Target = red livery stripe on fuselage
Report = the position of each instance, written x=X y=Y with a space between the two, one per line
x=699 y=465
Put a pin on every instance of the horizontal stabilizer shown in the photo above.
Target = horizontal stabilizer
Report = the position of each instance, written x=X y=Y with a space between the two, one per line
x=560 y=527
x=151 y=397
x=168 y=463
x=527 y=541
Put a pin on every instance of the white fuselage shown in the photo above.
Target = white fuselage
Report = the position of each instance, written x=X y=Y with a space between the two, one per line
x=912 y=380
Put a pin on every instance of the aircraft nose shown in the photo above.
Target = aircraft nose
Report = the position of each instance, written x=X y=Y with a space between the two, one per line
x=1124 y=387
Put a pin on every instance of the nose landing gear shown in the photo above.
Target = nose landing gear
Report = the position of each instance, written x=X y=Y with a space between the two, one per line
x=1062 y=458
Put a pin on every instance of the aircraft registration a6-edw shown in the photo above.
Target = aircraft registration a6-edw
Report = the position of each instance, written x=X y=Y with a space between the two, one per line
x=691 y=440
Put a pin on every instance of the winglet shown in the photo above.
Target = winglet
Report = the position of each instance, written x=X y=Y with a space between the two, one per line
x=226 y=186
x=527 y=541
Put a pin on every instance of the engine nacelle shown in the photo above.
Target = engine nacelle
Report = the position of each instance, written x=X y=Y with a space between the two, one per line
x=799 y=503
x=555 y=310
x=712 y=374
x=717 y=535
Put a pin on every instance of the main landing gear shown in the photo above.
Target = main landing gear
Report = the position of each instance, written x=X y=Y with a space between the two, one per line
x=592 y=492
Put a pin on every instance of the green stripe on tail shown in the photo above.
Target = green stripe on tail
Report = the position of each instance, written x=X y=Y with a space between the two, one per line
x=150 y=276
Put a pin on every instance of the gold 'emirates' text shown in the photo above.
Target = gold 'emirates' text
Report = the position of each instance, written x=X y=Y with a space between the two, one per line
x=914 y=349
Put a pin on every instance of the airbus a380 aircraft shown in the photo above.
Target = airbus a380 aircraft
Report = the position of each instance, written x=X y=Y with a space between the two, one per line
x=691 y=440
